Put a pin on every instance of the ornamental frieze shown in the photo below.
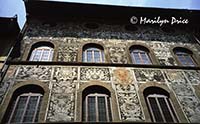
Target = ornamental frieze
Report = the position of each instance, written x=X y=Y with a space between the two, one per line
x=193 y=77
x=65 y=74
x=94 y=74
x=118 y=55
x=176 y=77
x=34 y=72
x=143 y=75
x=67 y=53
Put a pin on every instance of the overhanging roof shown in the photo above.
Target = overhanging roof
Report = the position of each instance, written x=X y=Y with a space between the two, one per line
x=9 y=26
x=55 y=10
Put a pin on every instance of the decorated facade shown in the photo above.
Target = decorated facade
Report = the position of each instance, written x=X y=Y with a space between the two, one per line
x=74 y=71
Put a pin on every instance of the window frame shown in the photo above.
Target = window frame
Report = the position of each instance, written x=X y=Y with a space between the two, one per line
x=16 y=102
x=97 y=95
x=169 y=104
x=93 y=49
x=42 y=49
x=139 y=52
x=185 y=55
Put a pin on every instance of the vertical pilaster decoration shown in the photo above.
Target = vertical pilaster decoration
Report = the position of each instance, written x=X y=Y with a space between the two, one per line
x=62 y=101
x=184 y=92
x=130 y=109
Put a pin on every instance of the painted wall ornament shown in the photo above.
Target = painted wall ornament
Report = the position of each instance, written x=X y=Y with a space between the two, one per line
x=123 y=76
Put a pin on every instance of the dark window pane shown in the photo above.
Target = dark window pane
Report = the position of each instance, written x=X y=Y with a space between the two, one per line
x=170 y=105
x=84 y=111
x=31 y=108
x=96 y=56
x=19 y=109
x=102 y=109
x=189 y=60
x=38 y=109
x=185 y=59
x=109 y=109
x=136 y=58
x=89 y=56
x=165 y=110
x=155 y=109
x=91 y=109
x=10 y=110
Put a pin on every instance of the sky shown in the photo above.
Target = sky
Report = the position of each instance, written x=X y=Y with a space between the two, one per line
x=10 y=8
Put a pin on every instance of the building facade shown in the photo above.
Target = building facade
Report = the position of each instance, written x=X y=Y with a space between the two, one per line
x=74 y=71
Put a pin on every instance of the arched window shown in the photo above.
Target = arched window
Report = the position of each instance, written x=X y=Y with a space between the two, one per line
x=93 y=53
x=184 y=56
x=96 y=105
x=140 y=55
x=42 y=51
x=25 y=105
x=159 y=105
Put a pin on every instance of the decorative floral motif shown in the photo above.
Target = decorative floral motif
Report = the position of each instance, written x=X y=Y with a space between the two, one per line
x=148 y=75
x=67 y=53
x=191 y=106
x=34 y=72
x=122 y=88
x=95 y=74
x=176 y=77
x=61 y=108
x=162 y=53
x=185 y=94
x=129 y=107
x=193 y=76
x=118 y=55
x=65 y=74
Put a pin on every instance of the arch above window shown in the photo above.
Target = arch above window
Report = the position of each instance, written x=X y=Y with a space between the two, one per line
x=184 y=56
x=96 y=104
x=140 y=55
x=42 y=51
x=25 y=105
x=159 y=105
x=93 y=53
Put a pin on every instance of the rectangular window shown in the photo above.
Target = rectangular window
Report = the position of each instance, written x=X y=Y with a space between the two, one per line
x=25 y=108
x=185 y=59
x=96 y=108
x=42 y=54
x=161 y=109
